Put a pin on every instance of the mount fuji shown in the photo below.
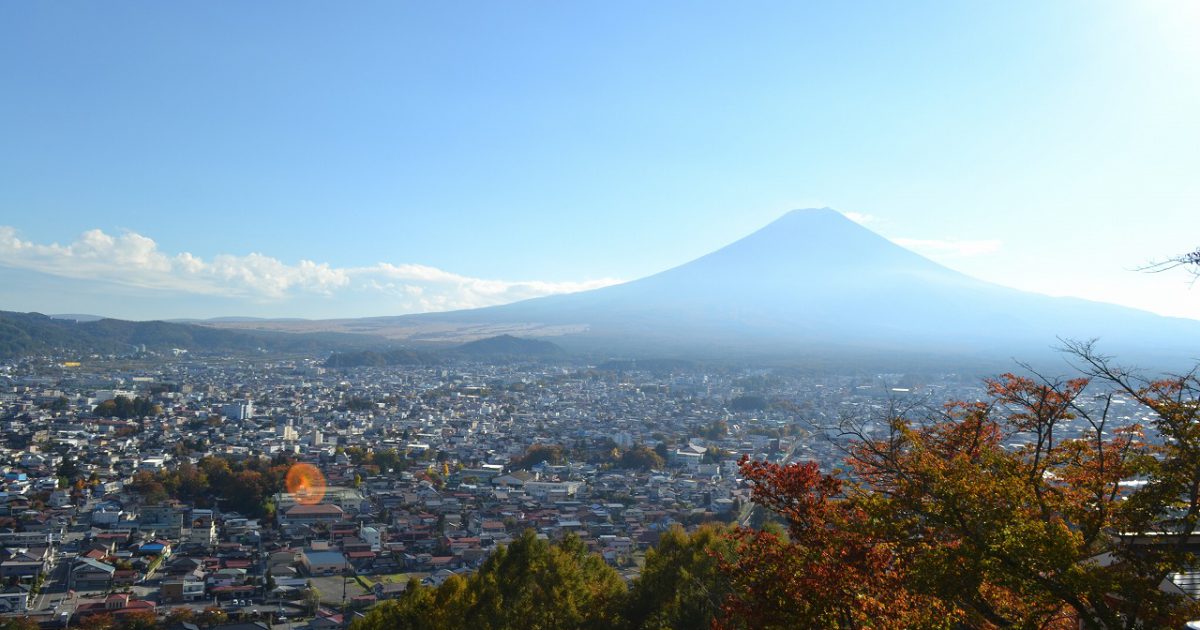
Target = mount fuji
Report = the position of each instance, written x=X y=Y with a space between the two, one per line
x=811 y=283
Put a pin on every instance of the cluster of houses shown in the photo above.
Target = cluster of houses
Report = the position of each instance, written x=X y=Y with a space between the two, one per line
x=425 y=466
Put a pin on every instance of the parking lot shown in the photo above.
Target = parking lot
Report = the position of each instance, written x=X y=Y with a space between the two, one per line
x=331 y=589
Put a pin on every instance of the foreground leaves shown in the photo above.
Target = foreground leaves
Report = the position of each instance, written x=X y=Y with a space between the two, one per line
x=984 y=515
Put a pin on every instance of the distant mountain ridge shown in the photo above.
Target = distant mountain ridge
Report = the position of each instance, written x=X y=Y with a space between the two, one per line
x=23 y=334
x=500 y=347
x=373 y=358
x=509 y=346
x=78 y=317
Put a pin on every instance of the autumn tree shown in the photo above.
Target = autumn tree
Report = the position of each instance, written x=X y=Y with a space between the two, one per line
x=123 y=407
x=539 y=453
x=211 y=616
x=641 y=458
x=990 y=514
x=247 y=491
x=147 y=485
x=829 y=570
x=216 y=469
x=138 y=620
x=245 y=484
x=18 y=623
x=182 y=614
x=98 y=621
x=191 y=483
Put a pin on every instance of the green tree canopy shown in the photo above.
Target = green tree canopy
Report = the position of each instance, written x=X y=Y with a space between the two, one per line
x=641 y=458
x=682 y=584
x=123 y=407
x=528 y=584
x=538 y=453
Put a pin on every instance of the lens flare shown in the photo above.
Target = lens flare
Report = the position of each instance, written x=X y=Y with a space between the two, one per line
x=306 y=482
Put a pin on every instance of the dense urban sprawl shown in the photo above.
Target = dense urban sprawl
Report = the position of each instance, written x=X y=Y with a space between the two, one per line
x=151 y=485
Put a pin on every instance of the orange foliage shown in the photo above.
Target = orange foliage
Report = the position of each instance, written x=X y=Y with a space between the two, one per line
x=982 y=515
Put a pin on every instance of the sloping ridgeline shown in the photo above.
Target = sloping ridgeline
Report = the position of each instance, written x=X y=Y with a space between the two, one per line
x=23 y=334
x=508 y=346
x=377 y=358
x=503 y=347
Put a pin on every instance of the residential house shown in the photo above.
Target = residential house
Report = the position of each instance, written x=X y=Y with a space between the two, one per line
x=15 y=599
x=91 y=575
x=176 y=591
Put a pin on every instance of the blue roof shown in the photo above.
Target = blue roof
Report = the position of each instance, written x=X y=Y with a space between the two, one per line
x=324 y=557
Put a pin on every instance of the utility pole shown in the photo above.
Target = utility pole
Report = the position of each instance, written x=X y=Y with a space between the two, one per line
x=345 y=613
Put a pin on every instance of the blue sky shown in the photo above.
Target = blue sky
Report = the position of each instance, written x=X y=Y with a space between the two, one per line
x=323 y=159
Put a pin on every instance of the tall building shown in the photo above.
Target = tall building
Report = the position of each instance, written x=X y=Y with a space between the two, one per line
x=241 y=410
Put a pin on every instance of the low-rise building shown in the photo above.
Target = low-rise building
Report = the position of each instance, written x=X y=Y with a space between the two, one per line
x=15 y=599
x=323 y=562
x=91 y=575
x=176 y=591
x=311 y=514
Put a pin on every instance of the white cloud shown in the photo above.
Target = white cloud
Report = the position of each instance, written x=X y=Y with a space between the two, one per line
x=432 y=289
x=949 y=248
x=859 y=217
x=131 y=259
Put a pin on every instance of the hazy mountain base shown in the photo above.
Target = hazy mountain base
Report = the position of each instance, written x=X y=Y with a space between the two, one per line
x=814 y=287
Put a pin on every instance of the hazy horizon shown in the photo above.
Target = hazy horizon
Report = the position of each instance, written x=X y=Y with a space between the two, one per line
x=212 y=281
x=182 y=161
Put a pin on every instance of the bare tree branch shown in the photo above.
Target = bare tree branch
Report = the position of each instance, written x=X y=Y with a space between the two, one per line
x=1190 y=260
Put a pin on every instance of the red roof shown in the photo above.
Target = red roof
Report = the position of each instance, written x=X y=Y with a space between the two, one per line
x=132 y=606
x=232 y=589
